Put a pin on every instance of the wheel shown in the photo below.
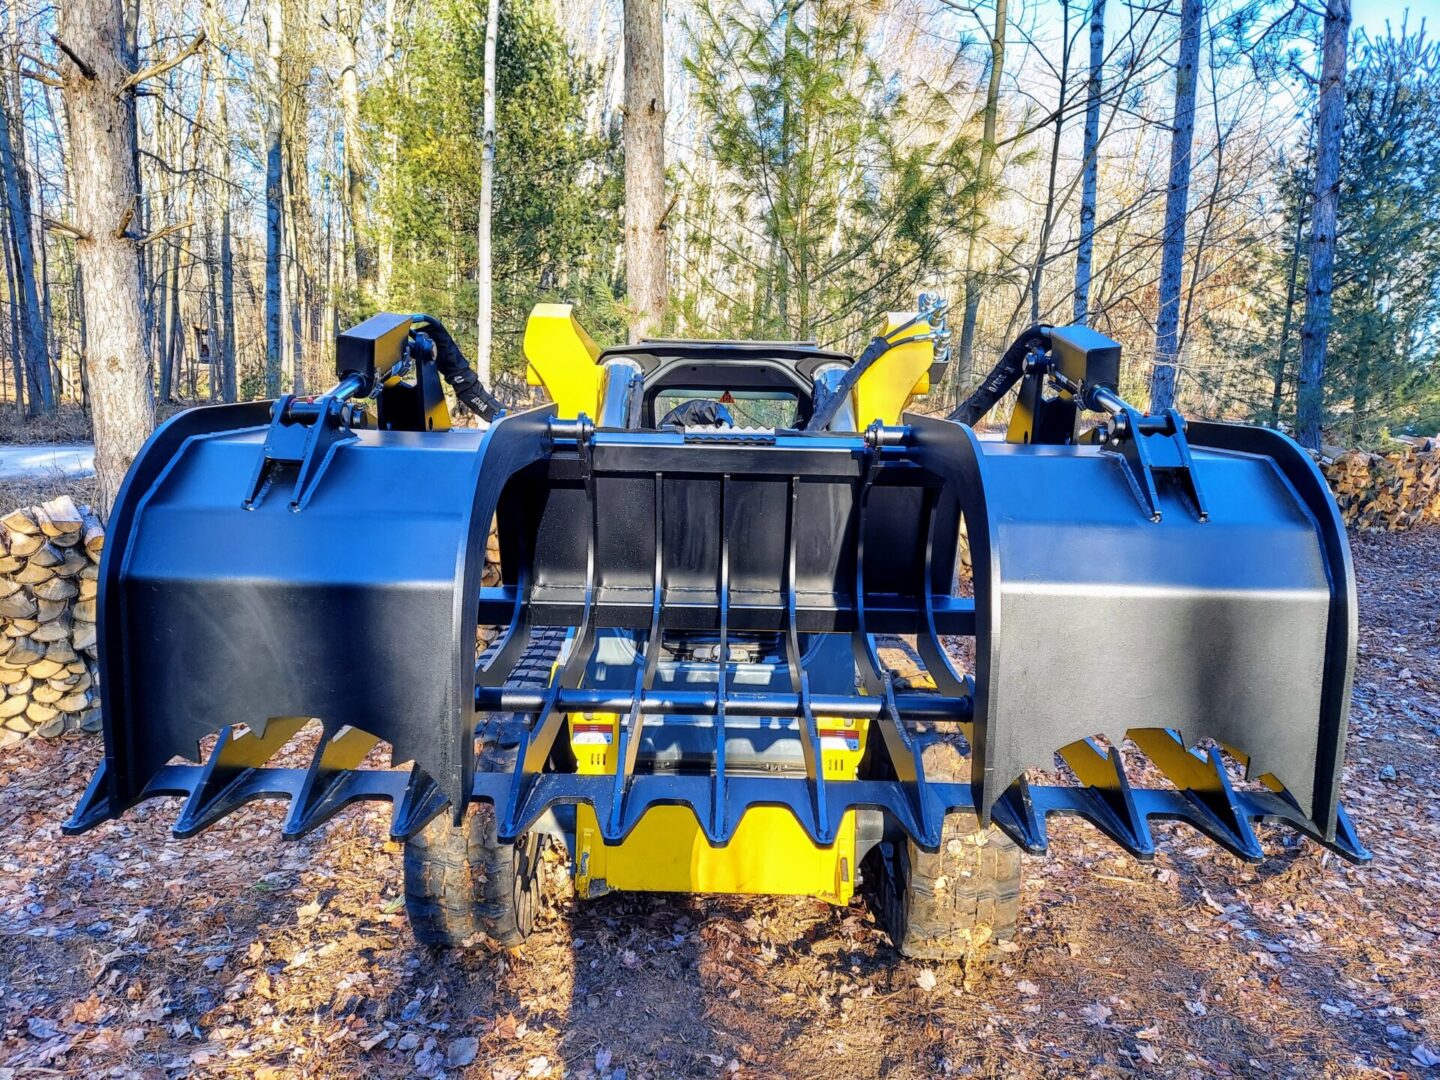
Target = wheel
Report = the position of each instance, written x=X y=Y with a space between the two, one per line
x=951 y=904
x=462 y=883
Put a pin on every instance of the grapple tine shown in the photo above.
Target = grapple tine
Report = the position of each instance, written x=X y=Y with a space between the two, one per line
x=800 y=679
x=324 y=790
x=95 y=806
x=1202 y=779
x=221 y=786
x=1113 y=803
x=719 y=792
x=628 y=749
x=421 y=801
x=1017 y=815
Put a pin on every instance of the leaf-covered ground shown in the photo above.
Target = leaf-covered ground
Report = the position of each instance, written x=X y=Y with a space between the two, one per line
x=126 y=952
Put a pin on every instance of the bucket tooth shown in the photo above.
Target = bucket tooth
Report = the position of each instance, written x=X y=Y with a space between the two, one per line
x=1110 y=803
x=1347 y=841
x=1280 y=806
x=323 y=791
x=1016 y=814
x=96 y=805
x=1202 y=779
x=222 y=784
x=422 y=800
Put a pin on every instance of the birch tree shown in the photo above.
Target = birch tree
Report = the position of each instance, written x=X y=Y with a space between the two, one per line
x=644 y=129
x=483 y=272
x=1329 y=125
x=1177 y=198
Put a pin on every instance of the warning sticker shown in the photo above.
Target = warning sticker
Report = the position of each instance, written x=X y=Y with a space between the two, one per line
x=839 y=739
x=592 y=734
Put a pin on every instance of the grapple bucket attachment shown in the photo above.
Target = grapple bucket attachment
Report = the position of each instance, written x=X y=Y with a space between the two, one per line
x=1198 y=598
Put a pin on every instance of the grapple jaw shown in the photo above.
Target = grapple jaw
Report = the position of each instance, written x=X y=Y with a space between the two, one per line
x=1109 y=604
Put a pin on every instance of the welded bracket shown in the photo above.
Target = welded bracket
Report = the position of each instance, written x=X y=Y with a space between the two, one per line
x=305 y=435
x=1156 y=444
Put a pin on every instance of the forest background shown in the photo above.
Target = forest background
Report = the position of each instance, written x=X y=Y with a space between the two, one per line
x=1233 y=189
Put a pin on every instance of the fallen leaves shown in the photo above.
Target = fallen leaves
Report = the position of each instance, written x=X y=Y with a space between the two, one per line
x=236 y=954
x=462 y=1051
x=1423 y=1055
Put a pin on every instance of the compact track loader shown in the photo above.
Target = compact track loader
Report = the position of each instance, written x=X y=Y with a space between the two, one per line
x=706 y=550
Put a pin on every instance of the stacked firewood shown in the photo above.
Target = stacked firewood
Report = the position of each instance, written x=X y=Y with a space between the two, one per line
x=1386 y=492
x=491 y=576
x=49 y=578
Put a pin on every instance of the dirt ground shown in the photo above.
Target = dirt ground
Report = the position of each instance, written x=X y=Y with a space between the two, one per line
x=128 y=953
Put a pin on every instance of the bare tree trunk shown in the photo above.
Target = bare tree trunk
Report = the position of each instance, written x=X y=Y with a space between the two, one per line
x=644 y=129
x=985 y=166
x=295 y=78
x=1330 y=125
x=1287 y=325
x=175 y=350
x=274 y=197
x=7 y=241
x=212 y=312
x=35 y=355
x=1177 y=198
x=222 y=369
x=1084 y=252
x=102 y=143
x=1037 y=277
x=385 y=249
x=360 y=268
x=485 y=286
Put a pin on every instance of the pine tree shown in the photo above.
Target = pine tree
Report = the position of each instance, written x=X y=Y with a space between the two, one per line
x=556 y=191
x=846 y=218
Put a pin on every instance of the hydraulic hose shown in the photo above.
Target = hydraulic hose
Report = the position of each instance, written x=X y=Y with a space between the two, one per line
x=451 y=364
x=1002 y=377
x=829 y=402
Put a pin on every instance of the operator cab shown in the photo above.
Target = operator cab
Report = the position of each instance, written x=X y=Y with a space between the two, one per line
x=760 y=384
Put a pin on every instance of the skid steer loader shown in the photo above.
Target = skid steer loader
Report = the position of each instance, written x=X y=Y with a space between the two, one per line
x=704 y=548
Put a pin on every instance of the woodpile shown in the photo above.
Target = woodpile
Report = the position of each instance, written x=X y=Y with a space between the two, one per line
x=490 y=577
x=1386 y=492
x=49 y=578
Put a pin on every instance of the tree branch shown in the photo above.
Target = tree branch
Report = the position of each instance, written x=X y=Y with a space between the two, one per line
x=162 y=66
x=660 y=225
x=160 y=234
x=55 y=225
x=84 y=68
x=40 y=77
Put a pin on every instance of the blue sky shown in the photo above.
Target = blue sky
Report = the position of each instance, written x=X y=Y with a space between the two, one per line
x=1371 y=14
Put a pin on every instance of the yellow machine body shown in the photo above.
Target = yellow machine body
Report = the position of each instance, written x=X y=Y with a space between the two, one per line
x=886 y=388
x=667 y=851
x=561 y=357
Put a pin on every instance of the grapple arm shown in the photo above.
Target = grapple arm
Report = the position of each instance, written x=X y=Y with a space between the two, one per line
x=1106 y=604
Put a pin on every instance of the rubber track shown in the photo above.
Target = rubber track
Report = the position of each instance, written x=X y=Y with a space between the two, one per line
x=459 y=882
x=955 y=902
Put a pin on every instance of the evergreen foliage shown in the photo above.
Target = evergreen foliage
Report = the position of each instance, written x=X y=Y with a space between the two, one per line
x=846 y=190
x=557 y=194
